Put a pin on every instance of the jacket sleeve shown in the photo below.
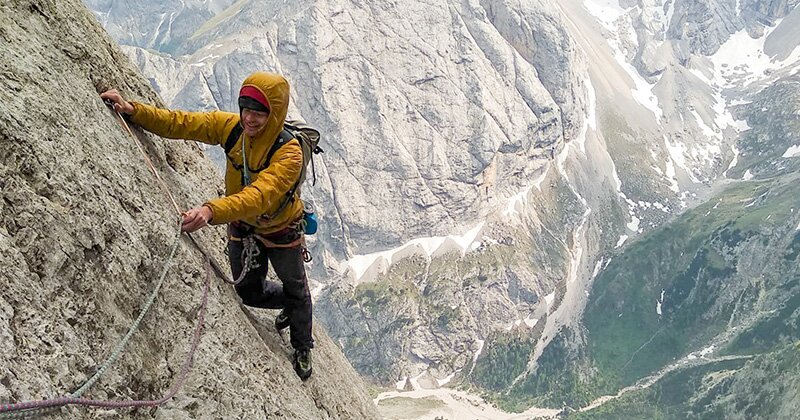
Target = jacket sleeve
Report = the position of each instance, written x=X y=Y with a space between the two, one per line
x=265 y=194
x=207 y=127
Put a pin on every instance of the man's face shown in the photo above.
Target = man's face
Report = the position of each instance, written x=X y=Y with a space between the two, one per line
x=254 y=122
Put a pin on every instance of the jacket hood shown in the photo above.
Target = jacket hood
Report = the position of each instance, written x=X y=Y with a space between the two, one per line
x=276 y=89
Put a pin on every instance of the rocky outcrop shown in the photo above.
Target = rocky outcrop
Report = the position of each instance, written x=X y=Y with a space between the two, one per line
x=162 y=26
x=703 y=308
x=435 y=116
x=518 y=93
x=84 y=234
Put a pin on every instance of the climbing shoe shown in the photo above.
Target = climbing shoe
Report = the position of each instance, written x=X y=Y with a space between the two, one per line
x=302 y=363
x=281 y=321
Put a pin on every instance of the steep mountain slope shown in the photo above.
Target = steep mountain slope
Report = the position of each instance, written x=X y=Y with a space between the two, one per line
x=488 y=159
x=725 y=282
x=437 y=167
x=162 y=25
x=85 y=232
x=707 y=261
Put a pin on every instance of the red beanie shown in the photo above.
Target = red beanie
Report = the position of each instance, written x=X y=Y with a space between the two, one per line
x=255 y=93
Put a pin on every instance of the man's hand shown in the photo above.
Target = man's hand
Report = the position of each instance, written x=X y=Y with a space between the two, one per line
x=119 y=103
x=196 y=218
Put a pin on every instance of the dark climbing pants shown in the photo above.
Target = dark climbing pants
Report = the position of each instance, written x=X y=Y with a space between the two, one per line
x=292 y=295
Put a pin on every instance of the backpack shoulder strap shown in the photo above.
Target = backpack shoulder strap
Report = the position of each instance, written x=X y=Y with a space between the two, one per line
x=284 y=137
x=232 y=137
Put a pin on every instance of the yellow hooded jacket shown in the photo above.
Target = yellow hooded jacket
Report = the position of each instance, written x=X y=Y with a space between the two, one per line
x=269 y=187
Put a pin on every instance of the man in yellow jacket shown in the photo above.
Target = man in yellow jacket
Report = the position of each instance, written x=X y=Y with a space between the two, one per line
x=254 y=206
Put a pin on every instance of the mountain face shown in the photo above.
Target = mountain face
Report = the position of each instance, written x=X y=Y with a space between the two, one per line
x=690 y=319
x=160 y=25
x=85 y=233
x=543 y=203
x=448 y=161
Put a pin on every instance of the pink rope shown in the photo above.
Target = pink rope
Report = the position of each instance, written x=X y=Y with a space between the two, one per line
x=176 y=386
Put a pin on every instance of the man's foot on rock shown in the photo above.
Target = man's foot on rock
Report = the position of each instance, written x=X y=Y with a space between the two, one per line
x=302 y=363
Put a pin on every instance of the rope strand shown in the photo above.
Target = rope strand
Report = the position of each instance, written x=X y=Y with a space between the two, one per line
x=150 y=164
x=72 y=400
x=36 y=408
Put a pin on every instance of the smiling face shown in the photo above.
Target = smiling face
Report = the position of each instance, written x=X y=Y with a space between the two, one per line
x=254 y=122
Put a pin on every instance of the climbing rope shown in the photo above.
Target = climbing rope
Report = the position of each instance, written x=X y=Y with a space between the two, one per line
x=135 y=326
x=27 y=409
x=149 y=163
x=220 y=272
x=36 y=408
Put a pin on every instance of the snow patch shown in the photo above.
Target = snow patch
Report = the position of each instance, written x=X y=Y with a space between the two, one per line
x=621 y=241
x=707 y=131
x=677 y=152
x=591 y=115
x=550 y=298
x=591 y=112
x=633 y=225
x=706 y=351
x=659 y=302
x=747 y=175
x=670 y=13
x=519 y=200
x=734 y=161
x=597 y=267
x=670 y=174
x=606 y=11
x=793 y=151
x=477 y=354
x=361 y=266
x=530 y=322
x=643 y=91
x=209 y=57
x=446 y=380
x=741 y=60
x=609 y=14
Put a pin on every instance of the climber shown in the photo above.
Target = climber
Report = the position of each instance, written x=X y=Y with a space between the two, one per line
x=253 y=206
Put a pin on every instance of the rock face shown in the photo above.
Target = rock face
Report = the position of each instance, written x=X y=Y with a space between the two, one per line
x=160 y=26
x=376 y=92
x=487 y=161
x=706 y=304
x=84 y=234
x=696 y=27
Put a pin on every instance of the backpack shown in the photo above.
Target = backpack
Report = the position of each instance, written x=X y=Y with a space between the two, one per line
x=308 y=137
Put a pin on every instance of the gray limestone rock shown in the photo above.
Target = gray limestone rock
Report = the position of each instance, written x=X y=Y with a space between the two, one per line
x=434 y=114
x=509 y=72
x=84 y=234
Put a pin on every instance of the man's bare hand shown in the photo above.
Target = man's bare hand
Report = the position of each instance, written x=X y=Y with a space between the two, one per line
x=196 y=218
x=119 y=103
